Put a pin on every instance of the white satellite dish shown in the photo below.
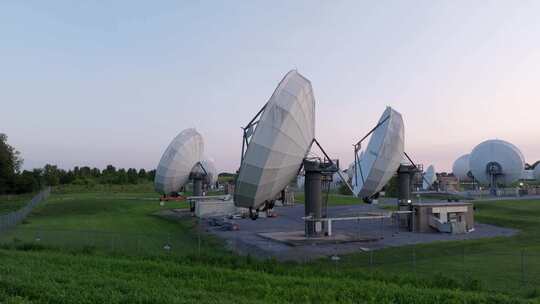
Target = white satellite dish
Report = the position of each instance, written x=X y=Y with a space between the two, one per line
x=280 y=141
x=495 y=162
x=382 y=157
x=461 y=169
x=178 y=160
x=429 y=177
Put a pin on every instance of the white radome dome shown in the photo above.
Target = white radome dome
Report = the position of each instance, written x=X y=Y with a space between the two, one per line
x=505 y=154
x=461 y=167
x=537 y=172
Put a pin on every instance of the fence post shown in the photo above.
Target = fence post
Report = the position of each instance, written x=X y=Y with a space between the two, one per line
x=199 y=242
x=463 y=268
x=523 y=277
x=414 y=259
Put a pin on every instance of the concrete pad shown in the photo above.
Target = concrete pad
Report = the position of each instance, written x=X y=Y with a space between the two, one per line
x=265 y=237
x=298 y=238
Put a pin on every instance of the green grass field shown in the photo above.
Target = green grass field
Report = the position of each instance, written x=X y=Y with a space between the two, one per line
x=116 y=220
x=334 y=199
x=511 y=265
x=108 y=245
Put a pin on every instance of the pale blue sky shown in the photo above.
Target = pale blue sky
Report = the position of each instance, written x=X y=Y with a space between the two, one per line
x=98 y=82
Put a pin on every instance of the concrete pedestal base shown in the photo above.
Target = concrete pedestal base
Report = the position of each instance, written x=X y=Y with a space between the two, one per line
x=209 y=208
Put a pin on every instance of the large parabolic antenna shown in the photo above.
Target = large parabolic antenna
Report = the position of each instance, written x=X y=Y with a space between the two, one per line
x=178 y=160
x=281 y=140
x=383 y=155
x=429 y=177
x=460 y=168
x=495 y=162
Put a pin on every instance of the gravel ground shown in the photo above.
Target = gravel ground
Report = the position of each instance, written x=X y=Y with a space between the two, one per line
x=247 y=240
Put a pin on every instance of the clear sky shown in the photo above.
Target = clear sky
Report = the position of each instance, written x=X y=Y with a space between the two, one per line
x=98 y=82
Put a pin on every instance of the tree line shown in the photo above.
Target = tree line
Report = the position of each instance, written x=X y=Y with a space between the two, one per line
x=13 y=180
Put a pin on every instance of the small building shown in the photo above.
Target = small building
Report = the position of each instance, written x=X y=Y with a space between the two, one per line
x=449 y=217
x=447 y=182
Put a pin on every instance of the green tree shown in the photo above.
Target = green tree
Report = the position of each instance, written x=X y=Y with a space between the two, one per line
x=85 y=172
x=109 y=170
x=151 y=175
x=132 y=176
x=51 y=174
x=76 y=172
x=10 y=164
x=26 y=182
x=95 y=172
x=142 y=174
x=67 y=177
x=38 y=176
x=108 y=175
x=121 y=177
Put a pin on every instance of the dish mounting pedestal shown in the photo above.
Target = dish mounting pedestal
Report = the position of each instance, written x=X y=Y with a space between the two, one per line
x=314 y=170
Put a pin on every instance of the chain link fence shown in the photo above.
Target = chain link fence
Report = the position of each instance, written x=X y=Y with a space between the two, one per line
x=514 y=270
x=11 y=219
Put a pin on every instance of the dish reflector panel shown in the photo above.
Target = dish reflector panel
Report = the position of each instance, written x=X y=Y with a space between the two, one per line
x=429 y=177
x=383 y=155
x=280 y=141
x=178 y=161
x=504 y=155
